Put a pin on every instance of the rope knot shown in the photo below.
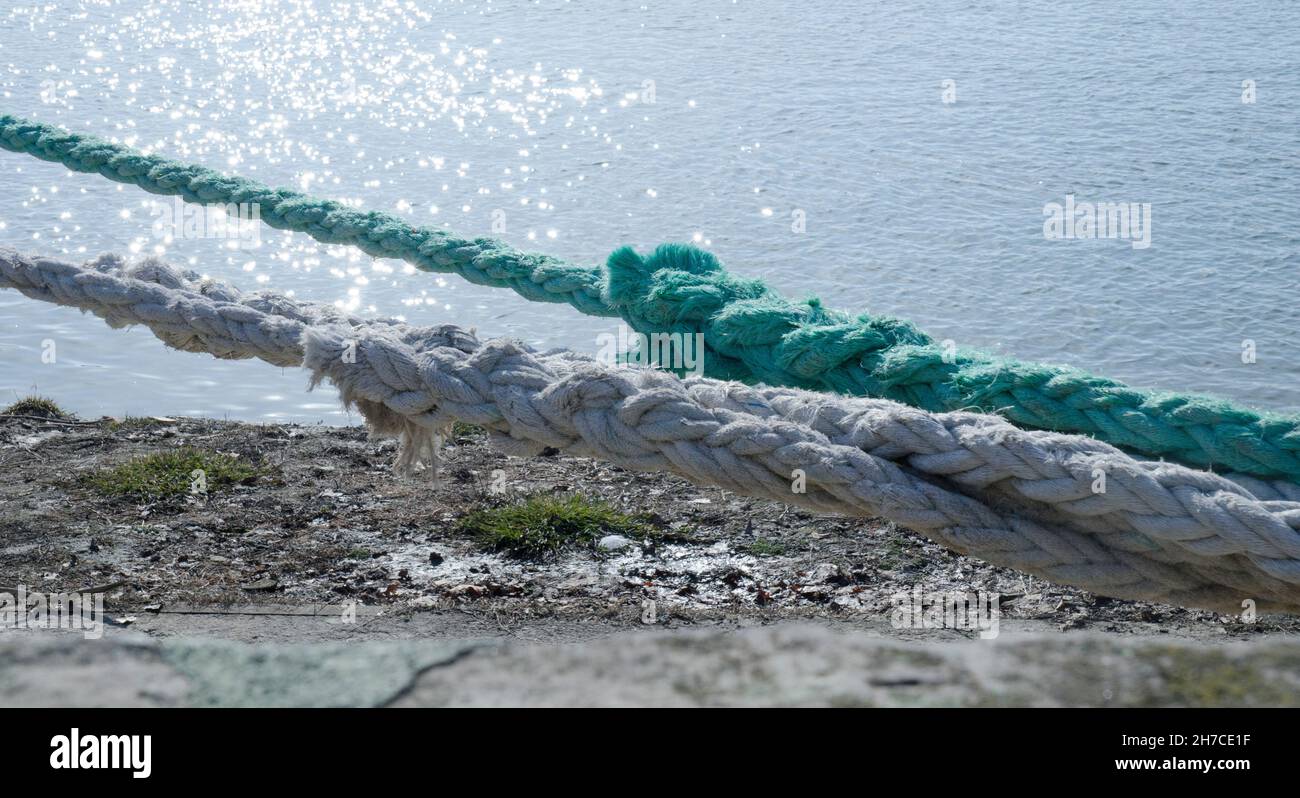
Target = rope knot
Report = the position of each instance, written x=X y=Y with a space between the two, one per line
x=677 y=283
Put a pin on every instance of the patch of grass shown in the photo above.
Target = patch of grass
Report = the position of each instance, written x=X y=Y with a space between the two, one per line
x=134 y=423
x=541 y=526
x=766 y=547
x=35 y=406
x=894 y=556
x=171 y=474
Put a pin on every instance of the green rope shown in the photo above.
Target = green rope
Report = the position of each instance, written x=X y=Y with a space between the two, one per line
x=750 y=332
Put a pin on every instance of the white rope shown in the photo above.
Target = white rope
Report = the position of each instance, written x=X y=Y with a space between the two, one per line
x=971 y=482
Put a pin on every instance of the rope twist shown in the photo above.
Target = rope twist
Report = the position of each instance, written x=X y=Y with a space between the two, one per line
x=751 y=333
x=973 y=483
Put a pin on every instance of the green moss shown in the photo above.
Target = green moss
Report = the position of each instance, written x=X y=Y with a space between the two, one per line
x=764 y=547
x=541 y=526
x=460 y=431
x=171 y=474
x=35 y=406
x=1212 y=679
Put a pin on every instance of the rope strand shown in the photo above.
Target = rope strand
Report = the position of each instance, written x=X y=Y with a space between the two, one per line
x=973 y=483
x=751 y=333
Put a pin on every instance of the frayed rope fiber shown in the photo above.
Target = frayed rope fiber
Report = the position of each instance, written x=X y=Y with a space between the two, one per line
x=973 y=483
x=750 y=332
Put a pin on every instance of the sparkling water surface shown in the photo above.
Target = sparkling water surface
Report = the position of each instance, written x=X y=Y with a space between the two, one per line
x=572 y=128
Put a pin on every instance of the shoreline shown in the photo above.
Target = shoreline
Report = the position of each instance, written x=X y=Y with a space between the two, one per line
x=323 y=522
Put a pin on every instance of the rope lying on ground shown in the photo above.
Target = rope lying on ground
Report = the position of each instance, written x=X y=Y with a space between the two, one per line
x=750 y=332
x=973 y=483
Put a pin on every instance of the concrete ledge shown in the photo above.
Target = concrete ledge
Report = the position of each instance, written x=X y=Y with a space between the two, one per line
x=774 y=665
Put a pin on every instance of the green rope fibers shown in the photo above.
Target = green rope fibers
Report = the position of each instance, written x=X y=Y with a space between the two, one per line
x=750 y=332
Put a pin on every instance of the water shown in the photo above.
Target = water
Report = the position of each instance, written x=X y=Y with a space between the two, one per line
x=445 y=113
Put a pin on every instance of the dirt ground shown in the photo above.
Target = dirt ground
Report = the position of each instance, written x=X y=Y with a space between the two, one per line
x=326 y=523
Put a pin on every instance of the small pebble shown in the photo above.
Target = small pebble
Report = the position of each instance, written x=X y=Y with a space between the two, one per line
x=613 y=543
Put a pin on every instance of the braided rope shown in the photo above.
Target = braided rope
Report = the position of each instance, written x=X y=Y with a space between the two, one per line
x=973 y=483
x=751 y=333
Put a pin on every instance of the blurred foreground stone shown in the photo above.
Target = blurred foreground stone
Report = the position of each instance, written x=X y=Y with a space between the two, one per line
x=766 y=666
